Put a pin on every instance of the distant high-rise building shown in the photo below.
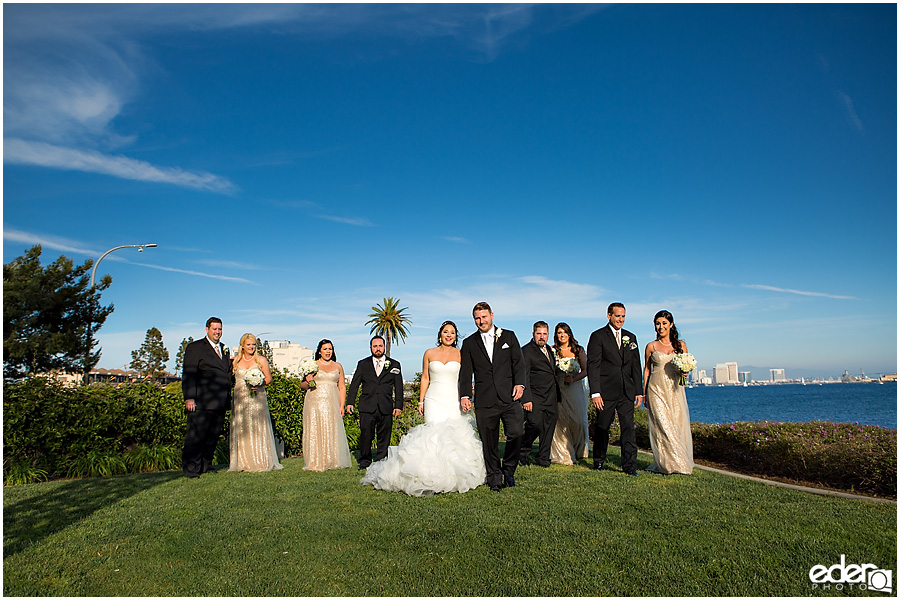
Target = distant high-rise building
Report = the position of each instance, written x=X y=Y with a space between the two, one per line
x=776 y=375
x=287 y=355
x=727 y=373
x=744 y=376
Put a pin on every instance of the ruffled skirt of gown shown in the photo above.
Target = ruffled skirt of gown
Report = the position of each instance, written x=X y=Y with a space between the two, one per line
x=443 y=455
x=251 y=440
x=668 y=418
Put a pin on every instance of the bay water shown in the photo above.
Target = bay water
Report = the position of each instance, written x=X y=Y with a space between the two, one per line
x=865 y=403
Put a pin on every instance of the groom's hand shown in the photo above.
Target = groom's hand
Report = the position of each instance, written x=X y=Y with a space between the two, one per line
x=517 y=392
x=349 y=409
x=190 y=405
x=397 y=412
x=598 y=402
x=527 y=406
x=638 y=401
x=466 y=405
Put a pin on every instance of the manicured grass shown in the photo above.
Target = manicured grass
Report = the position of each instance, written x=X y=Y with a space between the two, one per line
x=563 y=531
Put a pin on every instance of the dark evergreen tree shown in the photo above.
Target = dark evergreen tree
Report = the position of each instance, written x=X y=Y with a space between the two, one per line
x=151 y=358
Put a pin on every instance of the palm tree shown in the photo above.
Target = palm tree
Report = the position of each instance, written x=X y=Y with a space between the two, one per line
x=389 y=322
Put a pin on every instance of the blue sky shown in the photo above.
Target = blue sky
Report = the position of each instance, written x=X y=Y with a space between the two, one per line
x=296 y=163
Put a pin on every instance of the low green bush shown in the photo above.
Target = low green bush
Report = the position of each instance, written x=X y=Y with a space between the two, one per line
x=839 y=455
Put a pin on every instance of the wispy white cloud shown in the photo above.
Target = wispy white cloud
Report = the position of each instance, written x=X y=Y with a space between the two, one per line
x=358 y=221
x=230 y=264
x=771 y=288
x=195 y=273
x=454 y=239
x=48 y=241
x=17 y=151
x=854 y=119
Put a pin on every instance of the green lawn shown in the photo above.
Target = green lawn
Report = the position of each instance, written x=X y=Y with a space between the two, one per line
x=563 y=531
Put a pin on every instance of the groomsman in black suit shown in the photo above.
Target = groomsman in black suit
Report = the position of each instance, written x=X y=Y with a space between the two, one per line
x=206 y=385
x=541 y=395
x=494 y=357
x=615 y=378
x=380 y=402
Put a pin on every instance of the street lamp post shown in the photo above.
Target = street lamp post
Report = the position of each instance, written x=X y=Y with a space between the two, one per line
x=87 y=356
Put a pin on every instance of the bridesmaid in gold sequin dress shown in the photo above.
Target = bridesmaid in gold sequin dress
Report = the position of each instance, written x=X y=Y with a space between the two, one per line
x=324 y=439
x=251 y=438
x=667 y=411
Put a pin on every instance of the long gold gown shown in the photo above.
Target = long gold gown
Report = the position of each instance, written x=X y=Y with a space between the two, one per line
x=668 y=418
x=324 y=438
x=251 y=438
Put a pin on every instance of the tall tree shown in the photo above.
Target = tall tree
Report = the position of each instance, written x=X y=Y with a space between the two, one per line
x=151 y=358
x=265 y=350
x=179 y=356
x=47 y=315
x=389 y=322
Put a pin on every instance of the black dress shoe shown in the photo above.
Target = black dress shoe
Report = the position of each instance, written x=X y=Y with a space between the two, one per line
x=211 y=471
x=542 y=465
x=524 y=462
x=598 y=466
x=632 y=473
x=495 y=488
x=509 y=481
x=363 y=467
x=192 y=476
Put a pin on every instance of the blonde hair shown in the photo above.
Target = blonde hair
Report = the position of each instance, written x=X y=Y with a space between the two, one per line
x=240 y=353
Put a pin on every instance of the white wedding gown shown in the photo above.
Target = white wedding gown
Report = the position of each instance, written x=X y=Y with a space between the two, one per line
x=443 y=455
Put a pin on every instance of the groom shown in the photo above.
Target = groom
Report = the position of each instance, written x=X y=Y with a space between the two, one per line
x=494 y=357
x=616 y=381
x=381 y=400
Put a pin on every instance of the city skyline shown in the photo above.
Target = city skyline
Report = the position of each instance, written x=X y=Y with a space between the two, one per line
x=298 y=163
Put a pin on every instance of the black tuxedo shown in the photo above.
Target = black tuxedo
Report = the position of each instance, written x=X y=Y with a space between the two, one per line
x=494 y=383
x=381 y=394
x=616 y=375
x=542 y=390
x=207 y=380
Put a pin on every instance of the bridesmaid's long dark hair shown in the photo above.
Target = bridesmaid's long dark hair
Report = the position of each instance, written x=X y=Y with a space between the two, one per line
x=573 y=343
x=319 y=350
x=673 y=331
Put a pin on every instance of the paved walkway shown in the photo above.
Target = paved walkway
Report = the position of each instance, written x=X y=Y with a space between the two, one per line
x=790 y=486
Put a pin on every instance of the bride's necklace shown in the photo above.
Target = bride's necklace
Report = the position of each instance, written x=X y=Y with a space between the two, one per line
x=663 y=343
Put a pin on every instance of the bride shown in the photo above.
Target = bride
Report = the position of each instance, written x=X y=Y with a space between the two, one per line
x=667 y=409
x=444 y=454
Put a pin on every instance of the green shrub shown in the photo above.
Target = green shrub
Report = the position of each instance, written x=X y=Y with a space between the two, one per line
x=286 y=407
x=149 y=458
x=18 y=470
x=840 y=455
x=97 y=463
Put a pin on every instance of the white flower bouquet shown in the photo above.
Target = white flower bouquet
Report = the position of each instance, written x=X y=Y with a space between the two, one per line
x=567 y=364
x=254 y=378
x=308 y=366
x=685 y=363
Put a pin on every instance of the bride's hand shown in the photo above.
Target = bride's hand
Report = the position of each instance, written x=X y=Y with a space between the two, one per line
x=422 y=408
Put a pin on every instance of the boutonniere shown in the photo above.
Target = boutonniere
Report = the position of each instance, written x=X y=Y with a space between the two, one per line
x=224 y=350
x=387 y=363
x=497 y=332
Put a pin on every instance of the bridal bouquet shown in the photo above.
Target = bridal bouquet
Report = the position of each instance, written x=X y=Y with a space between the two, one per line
x=254 y=378
x=567 y=364
x=685 y=363
x=307 y=366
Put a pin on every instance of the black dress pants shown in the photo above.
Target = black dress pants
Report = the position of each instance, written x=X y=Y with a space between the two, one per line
x=372 y=425
x=203 y=430
x=540 y=422
x=625 y=409
x=488 y=420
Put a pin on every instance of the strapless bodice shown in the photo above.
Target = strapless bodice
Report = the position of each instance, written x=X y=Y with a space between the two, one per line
x=327 y=377
x=440 y=373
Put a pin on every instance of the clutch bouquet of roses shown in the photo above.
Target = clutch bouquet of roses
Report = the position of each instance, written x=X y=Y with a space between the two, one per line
x=685 y=363
x=308 y=366
x=254 y=378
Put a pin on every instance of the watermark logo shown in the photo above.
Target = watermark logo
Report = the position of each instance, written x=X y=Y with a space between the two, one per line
x=860 y=577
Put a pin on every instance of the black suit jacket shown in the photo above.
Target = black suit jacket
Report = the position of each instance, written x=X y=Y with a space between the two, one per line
x=494 y=379
x=614 y=373
x=206 y=378
x=541 y=384
x=383 y=391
